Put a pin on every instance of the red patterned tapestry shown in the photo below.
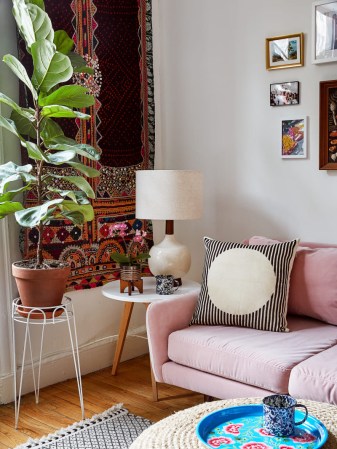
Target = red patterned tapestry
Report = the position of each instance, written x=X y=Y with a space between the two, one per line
x=115 y=37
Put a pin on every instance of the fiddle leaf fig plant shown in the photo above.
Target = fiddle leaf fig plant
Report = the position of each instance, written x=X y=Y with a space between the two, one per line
x=58 y=196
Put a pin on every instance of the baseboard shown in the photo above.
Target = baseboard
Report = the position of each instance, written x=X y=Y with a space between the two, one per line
x=93 y=357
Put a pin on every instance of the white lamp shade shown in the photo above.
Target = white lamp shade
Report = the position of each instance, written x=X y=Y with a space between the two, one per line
x=169 y=194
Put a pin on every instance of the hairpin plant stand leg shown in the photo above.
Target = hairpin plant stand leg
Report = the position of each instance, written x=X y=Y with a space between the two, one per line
x=66 y=316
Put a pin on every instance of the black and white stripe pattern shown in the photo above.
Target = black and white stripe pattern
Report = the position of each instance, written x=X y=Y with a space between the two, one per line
x=272 y=316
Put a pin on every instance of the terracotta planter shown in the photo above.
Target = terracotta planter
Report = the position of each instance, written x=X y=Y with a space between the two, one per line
x=40 y=287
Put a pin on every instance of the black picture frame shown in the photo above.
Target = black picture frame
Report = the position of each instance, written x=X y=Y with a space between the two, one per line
x=285 y=94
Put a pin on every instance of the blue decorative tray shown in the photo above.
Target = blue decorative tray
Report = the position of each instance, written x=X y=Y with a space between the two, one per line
x=241 y=427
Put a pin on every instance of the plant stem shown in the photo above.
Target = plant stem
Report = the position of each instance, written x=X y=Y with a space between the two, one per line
x=39 y=255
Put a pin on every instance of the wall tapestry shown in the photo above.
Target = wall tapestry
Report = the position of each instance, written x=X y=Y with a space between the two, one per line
x=115 y=38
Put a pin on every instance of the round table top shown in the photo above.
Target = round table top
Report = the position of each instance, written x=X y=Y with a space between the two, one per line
x=178 y=431
x=111 y=290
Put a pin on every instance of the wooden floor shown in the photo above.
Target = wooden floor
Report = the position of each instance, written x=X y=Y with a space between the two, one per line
x=59 y=404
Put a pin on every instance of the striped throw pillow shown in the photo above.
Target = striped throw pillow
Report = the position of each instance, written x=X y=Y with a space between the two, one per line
x=245 y=285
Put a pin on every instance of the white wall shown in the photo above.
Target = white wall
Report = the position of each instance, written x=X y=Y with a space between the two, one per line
x=215 y=116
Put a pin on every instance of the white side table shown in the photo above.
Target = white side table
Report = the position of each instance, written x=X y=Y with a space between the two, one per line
x=149 y=295
x=28 y=316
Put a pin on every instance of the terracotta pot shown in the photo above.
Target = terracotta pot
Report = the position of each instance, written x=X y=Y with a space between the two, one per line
x=40 y=287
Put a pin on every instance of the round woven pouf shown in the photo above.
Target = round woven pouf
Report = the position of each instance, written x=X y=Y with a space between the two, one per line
x=178 y=430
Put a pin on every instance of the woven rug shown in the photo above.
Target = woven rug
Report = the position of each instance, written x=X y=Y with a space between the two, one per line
x=115 y=428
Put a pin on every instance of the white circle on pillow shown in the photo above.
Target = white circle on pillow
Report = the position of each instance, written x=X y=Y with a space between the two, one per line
x=241 y=281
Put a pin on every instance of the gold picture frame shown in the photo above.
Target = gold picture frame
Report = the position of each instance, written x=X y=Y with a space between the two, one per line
x=286 y=51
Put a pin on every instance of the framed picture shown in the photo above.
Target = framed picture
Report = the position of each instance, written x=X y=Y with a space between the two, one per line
x=324 y=25
x=328 y=125
x=282 y=94
x=294 y=143
x=285 y=51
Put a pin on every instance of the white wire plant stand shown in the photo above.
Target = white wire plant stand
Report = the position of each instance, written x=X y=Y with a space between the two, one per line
x=42 y=317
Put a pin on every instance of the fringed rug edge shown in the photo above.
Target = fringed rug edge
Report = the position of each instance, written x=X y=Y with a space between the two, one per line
x=112 y=412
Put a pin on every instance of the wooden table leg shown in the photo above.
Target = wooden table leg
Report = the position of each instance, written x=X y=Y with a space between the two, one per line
x=123 y=329
x=153 y=380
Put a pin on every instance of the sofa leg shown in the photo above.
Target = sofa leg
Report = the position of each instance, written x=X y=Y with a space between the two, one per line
x=154 y=387
x=208 y=398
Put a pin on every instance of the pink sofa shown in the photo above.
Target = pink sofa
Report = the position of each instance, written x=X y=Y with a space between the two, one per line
x=229 y=362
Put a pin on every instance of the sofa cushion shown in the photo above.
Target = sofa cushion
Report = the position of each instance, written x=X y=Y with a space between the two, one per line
x=316 y=378
x=313 y=282
x=206 y=383
x=254 y=357
x=245 y=285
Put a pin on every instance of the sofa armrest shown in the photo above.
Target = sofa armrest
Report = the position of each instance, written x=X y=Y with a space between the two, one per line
x=162 y=318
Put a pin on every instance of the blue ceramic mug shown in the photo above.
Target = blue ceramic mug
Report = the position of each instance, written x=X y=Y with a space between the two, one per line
x=166 y=284
x=279 y=414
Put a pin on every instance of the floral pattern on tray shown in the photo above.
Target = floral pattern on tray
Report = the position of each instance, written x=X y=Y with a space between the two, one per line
x=249 y=434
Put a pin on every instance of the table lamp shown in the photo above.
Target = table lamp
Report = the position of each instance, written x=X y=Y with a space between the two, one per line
x=169 y=195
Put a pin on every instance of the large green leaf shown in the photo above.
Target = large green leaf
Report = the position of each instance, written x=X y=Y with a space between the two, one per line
x=75 y=195
x=10 y=173
x=76 y=217
x=9 y=169
x=120 y=258
x=61 y=158
x=10 y=126
x=70 y=207
x=50 y=67
x=33 y=23
x=19 y=70
x=82 y=184
x=34 y=152
x=33 y=216
x=24 y=126
x=73 y=96
x=42 y=25
x=62 y=112
x=60 y=140
x=79 y=182
x=39 y=3
x=81 y=149
x=49 y=216
x=64 y=44
x=24 y=21
x=79 y=64
x=9 y=207
x=51 y=130
x=8 y=195
x=87 y=171
x=27 y=113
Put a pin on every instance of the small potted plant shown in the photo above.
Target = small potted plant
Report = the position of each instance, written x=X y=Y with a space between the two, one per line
x=133 y=241
x=59 y=196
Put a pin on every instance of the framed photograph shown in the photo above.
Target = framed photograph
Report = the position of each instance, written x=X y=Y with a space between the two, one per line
x=282 y=94
x=324 y=26
x=328 y=125
x=294 y=143
x=285 y=51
